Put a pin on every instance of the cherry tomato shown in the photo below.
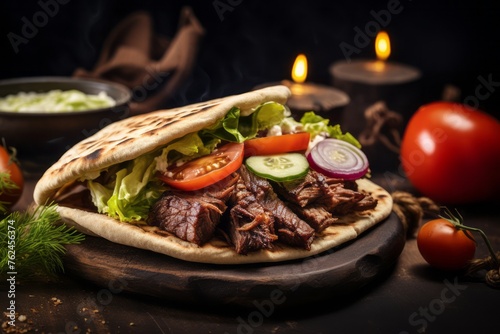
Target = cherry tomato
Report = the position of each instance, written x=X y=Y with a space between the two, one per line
x=444 y=246
x=204 y=171
x=7 y=165
x=451 y=153
x=277 y=144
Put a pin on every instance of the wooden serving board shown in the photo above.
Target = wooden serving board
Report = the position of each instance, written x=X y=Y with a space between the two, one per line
x=333 y=273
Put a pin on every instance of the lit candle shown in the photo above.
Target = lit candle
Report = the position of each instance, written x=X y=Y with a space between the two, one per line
x=376 y=71
x=369 y=81
x=324 y=100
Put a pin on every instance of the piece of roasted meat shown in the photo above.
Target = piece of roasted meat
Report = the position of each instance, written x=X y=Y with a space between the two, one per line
x=250 y=225
x=192 y=216
x=255 y=213
x=320 y=200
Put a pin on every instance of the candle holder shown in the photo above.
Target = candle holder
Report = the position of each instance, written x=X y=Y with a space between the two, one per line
x=367 y=82
x=326 y=101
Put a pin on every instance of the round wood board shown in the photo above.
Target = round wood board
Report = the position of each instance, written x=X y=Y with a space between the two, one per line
x=336 y=272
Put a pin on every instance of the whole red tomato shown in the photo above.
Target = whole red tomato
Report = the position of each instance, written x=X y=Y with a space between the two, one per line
x=451 y=153
x=10 y=196
x=444 y=246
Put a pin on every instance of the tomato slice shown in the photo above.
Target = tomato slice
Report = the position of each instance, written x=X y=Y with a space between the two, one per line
x=207 y=170
x=293 y=142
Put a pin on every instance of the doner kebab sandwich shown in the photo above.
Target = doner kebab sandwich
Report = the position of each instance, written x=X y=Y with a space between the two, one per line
x=229 y=181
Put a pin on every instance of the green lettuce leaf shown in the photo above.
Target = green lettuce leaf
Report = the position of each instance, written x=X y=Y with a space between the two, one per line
x=237 y=128
x=227 y=128
x=132 y=188
x=316 y=125
x=129 y=196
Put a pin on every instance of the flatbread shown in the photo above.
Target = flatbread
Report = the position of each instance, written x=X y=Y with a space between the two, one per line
x=132 y=137
x=218 y=251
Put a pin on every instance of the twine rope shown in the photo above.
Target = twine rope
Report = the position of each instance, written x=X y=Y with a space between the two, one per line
x=381 y=126
x=410 y=210
x=489 y=264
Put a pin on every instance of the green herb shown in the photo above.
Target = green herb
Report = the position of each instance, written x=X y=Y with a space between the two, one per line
x=6 y=186
x=39 y=242
x=316 y=125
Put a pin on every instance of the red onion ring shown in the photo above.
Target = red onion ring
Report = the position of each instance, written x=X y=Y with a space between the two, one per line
x=339 y=159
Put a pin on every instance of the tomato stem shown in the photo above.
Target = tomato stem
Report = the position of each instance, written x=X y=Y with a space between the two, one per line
x=458 y=223
x=12 y=152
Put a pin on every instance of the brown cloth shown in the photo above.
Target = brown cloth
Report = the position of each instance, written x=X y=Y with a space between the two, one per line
x=153 y=67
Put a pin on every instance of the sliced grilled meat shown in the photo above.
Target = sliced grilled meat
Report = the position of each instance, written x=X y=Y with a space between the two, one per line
x=317 y=198
x=289 y=227
x=348 y=201
x=251 y=227
x=303 y=191
x=315 y=215
x=348 y=184
x=192 y=216
x=367 y=203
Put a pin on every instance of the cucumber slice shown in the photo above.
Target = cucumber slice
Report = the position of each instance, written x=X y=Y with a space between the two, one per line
x=279 y=167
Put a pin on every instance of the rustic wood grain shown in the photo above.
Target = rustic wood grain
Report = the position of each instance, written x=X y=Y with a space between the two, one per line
x=333 y=273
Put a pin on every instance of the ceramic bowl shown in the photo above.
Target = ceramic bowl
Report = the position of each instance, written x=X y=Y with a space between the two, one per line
x=46 y=134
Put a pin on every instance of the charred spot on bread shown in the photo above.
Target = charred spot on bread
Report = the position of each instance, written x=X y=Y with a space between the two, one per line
x=94 y=155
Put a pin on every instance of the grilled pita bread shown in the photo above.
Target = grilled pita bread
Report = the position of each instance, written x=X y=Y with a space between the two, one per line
x=132 y=137
x=138 y=135
x=218 y=251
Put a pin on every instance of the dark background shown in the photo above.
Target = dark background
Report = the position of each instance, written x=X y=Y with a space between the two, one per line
x=451 y=42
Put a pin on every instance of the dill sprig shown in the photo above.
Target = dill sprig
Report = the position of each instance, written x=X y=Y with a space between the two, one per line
x=39 y=242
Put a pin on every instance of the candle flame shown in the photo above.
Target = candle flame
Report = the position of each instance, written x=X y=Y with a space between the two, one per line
x=382 y=45
x=299 y=70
